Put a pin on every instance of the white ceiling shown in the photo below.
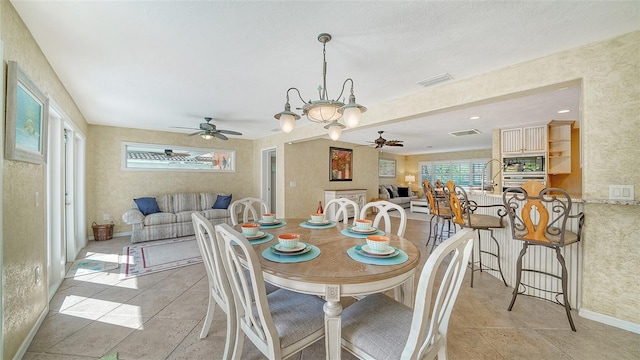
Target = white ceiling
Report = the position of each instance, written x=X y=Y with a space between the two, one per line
x=159 y=64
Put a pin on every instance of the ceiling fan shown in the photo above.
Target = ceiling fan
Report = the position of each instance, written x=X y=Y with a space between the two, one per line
x=380 y=142
x=208 y=130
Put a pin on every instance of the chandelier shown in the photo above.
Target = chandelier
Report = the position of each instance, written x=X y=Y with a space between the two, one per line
x=324 y=111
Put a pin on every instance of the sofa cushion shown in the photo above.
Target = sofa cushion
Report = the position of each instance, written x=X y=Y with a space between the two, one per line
x=185 y=202
x=382 y=190
x=159 y=218
x=147 y=205
x=213 y=214
x=390 y=192
x=394 y=190
x=222 y=202
x=165 y=202
x=184 y=216
x=207 y=200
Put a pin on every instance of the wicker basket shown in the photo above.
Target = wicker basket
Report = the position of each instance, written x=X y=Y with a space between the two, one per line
x=102 y=232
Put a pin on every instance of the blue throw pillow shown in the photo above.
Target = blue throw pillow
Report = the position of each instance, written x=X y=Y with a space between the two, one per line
x=147 y=205
x=222 y=202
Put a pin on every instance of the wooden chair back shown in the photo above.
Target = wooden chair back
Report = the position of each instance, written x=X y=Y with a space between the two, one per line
x=529 y=208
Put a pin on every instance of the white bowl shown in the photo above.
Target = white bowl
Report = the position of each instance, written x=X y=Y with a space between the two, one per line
x=289 y=240
x=378 y=243
x=250 y=229
x=268 y=218
x=363 y=224
x=317 y=217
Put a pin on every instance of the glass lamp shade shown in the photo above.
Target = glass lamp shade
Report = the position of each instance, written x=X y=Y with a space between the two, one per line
x=324 y=111
x=335 y=132
x=206 y=136
x=351 y=116
x=287 y=122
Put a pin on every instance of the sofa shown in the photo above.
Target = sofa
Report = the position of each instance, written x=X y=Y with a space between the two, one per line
x=168 y=216
x=397 y=195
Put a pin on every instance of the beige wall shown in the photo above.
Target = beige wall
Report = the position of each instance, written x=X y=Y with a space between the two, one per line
x=610 y=80
x=110 y=189
x=24 y=224
x=307 y=163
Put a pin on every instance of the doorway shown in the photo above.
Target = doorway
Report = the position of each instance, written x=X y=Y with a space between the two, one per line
x=66 y=233
x=268 y=178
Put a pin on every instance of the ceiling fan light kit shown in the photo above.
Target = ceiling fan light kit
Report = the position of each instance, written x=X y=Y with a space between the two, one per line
x=324 y=111
x=209 y=131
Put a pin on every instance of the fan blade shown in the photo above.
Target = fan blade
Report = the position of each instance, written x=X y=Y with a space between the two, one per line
x=395 y=145
x=230 y=132
x=220 y=136
x=196 y=133
x=182 y=127
x=393 y=142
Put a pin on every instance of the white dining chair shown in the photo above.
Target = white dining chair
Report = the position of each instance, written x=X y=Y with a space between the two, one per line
x=279 y=324
x=342 y=208
x=420 y=333
x=248 y=208
x=219 y=289
x=383 y=207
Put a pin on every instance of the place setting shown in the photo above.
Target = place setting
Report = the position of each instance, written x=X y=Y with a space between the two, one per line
x=317 y=221
x=361 y=229
x=252 y=232
x=290 y=249
x=269 y=221
x=377 y=251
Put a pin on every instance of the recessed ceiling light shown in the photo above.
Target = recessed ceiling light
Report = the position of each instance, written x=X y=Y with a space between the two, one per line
x=474 y=117
x=563 y=111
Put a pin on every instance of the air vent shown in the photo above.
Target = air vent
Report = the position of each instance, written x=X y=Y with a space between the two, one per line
x=465 y=132
x=435 y=80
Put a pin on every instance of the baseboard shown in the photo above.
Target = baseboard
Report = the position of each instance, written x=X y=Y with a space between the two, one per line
x=27 y=341
x=610 y=320
x=127 y=233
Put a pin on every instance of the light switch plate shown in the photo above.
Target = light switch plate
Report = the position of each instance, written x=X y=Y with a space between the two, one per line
x=621 y=192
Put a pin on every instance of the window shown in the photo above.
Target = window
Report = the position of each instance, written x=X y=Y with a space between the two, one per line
x=462 y=172
x=153 y=157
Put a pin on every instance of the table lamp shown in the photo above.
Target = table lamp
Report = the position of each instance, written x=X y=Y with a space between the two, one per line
x=409 y=179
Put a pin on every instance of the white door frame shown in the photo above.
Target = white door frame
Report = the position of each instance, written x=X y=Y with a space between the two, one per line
x=267 y=186
x=66 y=230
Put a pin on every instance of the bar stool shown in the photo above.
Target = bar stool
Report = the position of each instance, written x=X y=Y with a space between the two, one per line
x=463 y=215
x=538 y=217
x=441 y=211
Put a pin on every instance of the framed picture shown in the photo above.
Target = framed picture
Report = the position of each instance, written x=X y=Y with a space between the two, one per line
x=27 y=115
x=386 y=168
x=340 y=164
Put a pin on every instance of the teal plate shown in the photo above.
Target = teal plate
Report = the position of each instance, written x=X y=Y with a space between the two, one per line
x=353 y=253
x=306 y=224
x=310 y=255
x=346 y=232
x=280 y=224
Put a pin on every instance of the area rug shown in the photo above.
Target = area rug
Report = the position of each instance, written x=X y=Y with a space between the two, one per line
x=153 y=256
x=91 y=265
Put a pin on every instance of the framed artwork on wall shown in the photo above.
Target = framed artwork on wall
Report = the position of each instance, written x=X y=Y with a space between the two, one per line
x=386 y=168
x=27 y=116
x=340 y=164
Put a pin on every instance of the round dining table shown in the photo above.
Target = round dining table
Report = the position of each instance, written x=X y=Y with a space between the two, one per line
x=334 y=273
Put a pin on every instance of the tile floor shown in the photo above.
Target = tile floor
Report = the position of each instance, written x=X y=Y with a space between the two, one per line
x=159 y=316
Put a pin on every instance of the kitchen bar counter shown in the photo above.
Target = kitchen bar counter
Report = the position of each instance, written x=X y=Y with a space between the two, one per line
x=575 y=199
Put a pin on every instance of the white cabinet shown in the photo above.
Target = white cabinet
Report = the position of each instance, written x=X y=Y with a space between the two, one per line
x=357 y=195
x=532 y=139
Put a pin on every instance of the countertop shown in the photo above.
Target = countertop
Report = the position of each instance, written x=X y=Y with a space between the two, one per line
x=574 y=198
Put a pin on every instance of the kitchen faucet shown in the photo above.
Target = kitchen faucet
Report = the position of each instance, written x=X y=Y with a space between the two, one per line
x=484 y=169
